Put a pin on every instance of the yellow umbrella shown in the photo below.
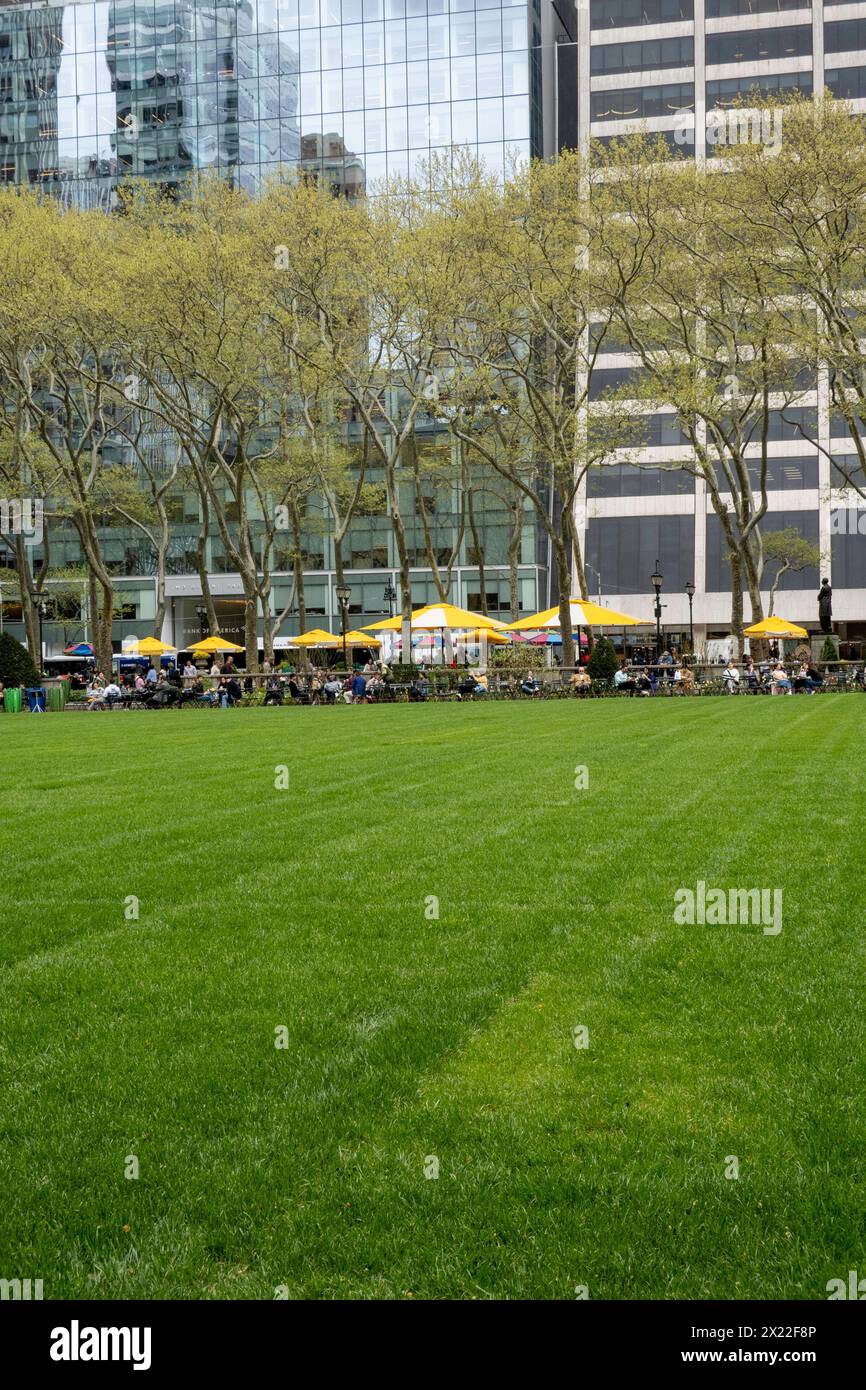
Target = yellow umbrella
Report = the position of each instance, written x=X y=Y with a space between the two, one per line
x=316 y=637
x=209 y=645
x=583 y=614
x=361 y=639
x=438 y=616
x=150 y=646
x=775 y=627
x=494 y=637
x=385 y=625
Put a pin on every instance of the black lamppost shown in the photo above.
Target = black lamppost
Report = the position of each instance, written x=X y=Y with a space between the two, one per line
x=690 y=590
x=42 y=609
x=390 y=597
x=344 y=593
x=656 y=581
x=201 y=614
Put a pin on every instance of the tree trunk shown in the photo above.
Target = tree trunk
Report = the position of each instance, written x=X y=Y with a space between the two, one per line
x=737 y=601
x=514 y=541
x=29 y=600
x=102 y=645
x=563 y=575
x=479 y=550
x=298 y=574
x=251 y=625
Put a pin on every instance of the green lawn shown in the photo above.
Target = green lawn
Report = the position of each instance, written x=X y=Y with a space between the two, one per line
x=410 y=1038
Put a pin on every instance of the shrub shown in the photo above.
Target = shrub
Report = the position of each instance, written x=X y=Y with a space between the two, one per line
x=829 y=651
x=516 y=659
x=16 y=664
x=603 y=661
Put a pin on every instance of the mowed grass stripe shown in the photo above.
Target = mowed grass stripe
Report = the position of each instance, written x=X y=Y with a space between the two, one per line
x=304 y=1166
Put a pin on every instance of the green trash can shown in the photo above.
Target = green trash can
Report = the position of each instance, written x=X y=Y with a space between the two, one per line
x=56 y=697
x=12 y=700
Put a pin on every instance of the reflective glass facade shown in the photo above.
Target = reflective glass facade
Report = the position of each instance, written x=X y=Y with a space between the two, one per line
x=356 y=89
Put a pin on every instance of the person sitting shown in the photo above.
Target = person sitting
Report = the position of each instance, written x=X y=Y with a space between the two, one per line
x=359 y=688
x=235 y=693
x=420 y=688
x=529 y=685
x=466 y=687
x=805 y=680
x=684 y=681
x=731 y=679
x=623 y=681
x=95 y=697
x=273 y=691
x=480 y=686
x=644 y=683
x=331 y=689
x=164 y=693
x=189 y=669
x=751 y=678
x=112 y=694
x=581 y=682
x=814 y=676
x=781 y=685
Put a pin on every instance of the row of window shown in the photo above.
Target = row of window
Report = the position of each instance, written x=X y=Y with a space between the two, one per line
x=618 y=14
x=626 y=550
x=845 y=36
x=759 y=45
x=846 y=83
x=634 y=57
x=641 y=103
x=783 y=474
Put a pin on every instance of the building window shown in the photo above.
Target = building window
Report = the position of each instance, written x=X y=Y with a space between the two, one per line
x=729 y=91
x=618 y=14
x=641 y=103
x=634 y=57
x=759 y=45
x=624 y=551
x=718 y=569
x=736 y=9
x=632 y=480
x=846 y=83
x=845 y=36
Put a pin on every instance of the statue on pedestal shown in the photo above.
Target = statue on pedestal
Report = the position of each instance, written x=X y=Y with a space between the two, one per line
x=825 y=606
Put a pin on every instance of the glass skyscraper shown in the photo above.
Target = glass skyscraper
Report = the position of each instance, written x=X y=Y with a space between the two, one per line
x=95 y=92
